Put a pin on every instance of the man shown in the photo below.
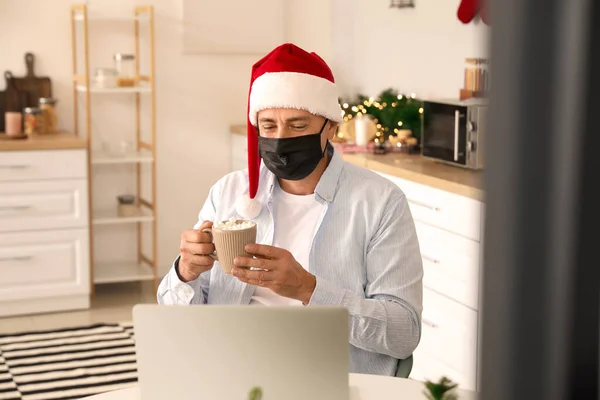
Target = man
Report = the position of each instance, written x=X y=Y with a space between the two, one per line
x=329 y=233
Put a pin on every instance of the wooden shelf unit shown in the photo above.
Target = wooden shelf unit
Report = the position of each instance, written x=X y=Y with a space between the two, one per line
x=145 y=268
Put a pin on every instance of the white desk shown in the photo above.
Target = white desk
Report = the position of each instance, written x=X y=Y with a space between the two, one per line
x=362 y=387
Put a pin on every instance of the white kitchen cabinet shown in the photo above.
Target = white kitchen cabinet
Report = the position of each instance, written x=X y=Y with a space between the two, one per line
x=41 y=165
x=449 y=228
x=44 y=235
x=449 y=336
x=450 y=263
x=50 y=204
x=457 y=214
x=42 y=264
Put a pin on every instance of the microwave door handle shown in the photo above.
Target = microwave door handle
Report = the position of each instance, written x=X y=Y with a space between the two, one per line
x=456 y=125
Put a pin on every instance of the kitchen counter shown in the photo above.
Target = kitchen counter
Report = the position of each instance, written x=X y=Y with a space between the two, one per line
x=415 y=168
x=51 y=141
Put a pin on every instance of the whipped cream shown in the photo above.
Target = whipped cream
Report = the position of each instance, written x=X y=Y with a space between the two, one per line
x=233 y=224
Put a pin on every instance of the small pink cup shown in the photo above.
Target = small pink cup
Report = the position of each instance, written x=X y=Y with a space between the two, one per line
x=13 y=121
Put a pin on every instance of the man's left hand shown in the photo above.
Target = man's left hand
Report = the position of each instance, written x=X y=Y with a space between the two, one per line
x=279 y=271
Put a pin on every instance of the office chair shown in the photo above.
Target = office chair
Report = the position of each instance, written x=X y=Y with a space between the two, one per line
x=404 y=367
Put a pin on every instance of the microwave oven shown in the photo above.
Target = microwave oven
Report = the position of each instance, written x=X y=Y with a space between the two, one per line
x=453 y=131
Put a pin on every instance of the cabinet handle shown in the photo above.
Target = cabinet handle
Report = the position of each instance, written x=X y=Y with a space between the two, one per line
x=16 y=208
x=421 y=204
x=430 y=259
x=427 y=322
x=14 y=166
x=18 y=258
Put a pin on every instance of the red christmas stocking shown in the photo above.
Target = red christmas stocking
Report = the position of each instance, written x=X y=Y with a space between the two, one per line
x=484 y=12
x=467 y=10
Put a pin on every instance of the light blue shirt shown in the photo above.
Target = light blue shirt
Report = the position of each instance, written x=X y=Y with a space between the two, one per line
x=365 y=255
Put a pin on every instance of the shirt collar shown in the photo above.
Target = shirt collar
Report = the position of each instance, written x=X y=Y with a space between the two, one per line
x=327 y=186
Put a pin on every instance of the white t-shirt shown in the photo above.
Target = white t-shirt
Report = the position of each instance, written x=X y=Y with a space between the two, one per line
x=295 y=220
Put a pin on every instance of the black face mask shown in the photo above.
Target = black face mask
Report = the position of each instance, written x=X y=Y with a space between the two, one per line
x=292 y=158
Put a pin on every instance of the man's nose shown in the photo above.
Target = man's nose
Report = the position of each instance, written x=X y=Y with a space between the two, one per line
x=282 y=132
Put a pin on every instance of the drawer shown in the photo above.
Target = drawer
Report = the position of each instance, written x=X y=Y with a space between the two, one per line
x=442 y=209
x=450 y=264
x=43 y=205
x=44 y=263
x=449 y=335
x=41 y=165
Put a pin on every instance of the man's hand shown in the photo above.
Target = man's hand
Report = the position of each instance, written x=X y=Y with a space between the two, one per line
x=194 y=249
x=279 y=272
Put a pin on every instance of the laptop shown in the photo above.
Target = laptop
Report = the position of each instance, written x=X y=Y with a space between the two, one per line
x=229 y=352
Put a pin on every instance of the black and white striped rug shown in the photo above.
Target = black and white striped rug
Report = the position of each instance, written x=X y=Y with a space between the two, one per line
x=68 y=363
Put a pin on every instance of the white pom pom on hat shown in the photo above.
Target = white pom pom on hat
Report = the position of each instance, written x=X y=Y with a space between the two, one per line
x=247 y=208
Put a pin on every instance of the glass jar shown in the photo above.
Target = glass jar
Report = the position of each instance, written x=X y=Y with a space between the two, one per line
x=105 y=77
x=32 y=120
x=125 y=66
x=118 y=148
x=476 y=75
x=50 y=119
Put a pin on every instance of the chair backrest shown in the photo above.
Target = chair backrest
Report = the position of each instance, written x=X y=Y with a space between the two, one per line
x=404 y=367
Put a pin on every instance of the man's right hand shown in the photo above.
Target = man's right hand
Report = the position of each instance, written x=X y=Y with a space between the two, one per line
x=195 y=249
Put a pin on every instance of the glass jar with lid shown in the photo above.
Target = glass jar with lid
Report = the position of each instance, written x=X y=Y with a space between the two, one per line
x=125 y=66
x=49 y=117
x=32 y=120
x=105 y=77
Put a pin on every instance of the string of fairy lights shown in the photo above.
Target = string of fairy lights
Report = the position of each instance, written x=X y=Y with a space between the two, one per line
x=351 y=111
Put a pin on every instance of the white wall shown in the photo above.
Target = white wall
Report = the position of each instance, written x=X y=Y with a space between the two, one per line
x=198 y=97
x=420 y=50
x=310 y=26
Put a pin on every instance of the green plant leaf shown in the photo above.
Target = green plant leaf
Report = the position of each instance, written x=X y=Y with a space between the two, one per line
x=255 y=393
x=441 y=390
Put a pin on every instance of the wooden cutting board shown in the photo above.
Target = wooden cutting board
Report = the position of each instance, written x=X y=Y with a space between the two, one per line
x=11 y=99
x=35 y=86
x=2 y=109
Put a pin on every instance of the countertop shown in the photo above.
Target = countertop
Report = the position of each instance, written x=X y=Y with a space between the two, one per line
x=50 y=141
x=415 y=168
x=421 y=170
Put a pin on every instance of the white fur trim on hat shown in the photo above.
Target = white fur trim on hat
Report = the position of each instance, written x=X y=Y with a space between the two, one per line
x=316 y=95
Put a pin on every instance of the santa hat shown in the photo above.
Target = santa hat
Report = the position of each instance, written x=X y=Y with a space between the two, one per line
x=287 y=77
